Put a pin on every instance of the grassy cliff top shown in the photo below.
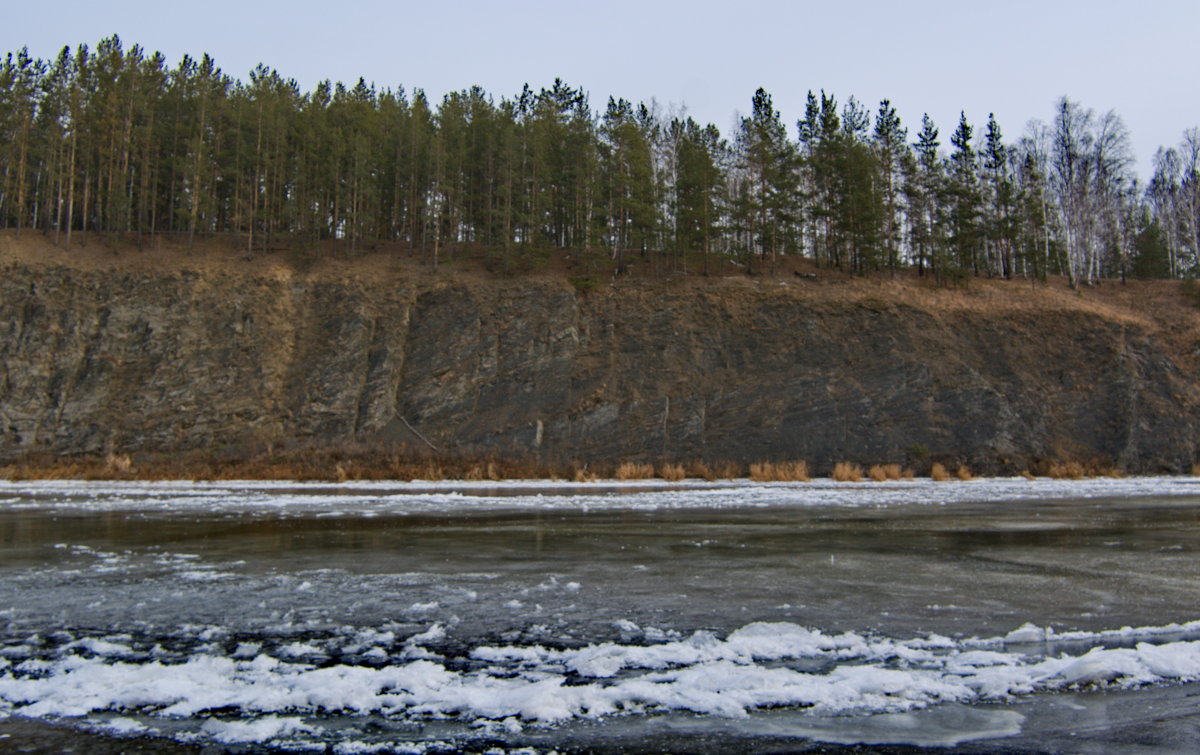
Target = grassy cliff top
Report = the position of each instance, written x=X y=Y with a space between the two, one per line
x=1163 y=305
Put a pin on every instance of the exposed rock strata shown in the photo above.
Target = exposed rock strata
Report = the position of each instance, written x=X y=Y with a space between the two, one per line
x=93 y=360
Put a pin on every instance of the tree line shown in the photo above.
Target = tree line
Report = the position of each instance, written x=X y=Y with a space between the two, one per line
x=113 y=140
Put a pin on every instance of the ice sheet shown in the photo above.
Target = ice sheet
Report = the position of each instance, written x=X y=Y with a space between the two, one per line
x=378 y=497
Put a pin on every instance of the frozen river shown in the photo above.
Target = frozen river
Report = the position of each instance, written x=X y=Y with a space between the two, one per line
x=993 y=615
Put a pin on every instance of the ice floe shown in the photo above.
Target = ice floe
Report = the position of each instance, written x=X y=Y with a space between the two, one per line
x=761 y=665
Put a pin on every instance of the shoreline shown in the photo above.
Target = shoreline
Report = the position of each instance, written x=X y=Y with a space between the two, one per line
x=342 y=466
x=599 y=485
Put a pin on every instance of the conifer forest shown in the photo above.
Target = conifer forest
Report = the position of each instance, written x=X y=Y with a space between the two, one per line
x=111 y=140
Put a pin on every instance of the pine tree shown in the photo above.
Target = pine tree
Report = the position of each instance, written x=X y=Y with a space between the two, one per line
x=857 y=202
x=822 y=132
x=629 y=184
x=698 y=187
x=769 y=162
x=965 y=204
x=1151 y=255
x=924 y=191
x=999 y=225
x=114 y=141
x=891 y=145
x=19 y=81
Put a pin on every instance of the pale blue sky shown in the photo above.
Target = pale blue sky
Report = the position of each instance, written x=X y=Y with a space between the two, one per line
x=1014 y=58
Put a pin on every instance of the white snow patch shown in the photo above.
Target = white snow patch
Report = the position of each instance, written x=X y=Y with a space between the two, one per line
x=196 y=575
x=119 y=725
x=257 y=730
x=103 y=647
x=299 y=650
x=1026 y=633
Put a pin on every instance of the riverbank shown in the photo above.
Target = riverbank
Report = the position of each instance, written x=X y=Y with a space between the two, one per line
x=170 y=356
x=373 y=464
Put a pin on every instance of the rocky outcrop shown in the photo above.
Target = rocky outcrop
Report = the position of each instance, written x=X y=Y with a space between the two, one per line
x=92 y=360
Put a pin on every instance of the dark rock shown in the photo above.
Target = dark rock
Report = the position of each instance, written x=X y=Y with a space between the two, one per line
x=95 y=360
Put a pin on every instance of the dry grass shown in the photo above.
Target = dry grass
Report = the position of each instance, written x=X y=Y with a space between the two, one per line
x=484 y=471
x=795 y=471
x=63 y=470
x=702 y=471
x=1156 y=304
x=351 y=462
x=782 y=471
x=845 y=471
x=1078 y=470
x=433 y=472
x=727 y=470
x=634 y=470
x=884 y=472
x=672 y=472
x=908 y=473
x=119 y=464
x=325 y=464
x=1066 y=470
x=1196 y=469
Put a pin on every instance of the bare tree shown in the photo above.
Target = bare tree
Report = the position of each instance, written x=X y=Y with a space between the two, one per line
x=1189 y=191
x=1033 y=153
x=1090 y=172
x=1163 y=196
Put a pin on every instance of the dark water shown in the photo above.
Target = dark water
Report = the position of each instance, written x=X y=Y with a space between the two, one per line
x=168 y=579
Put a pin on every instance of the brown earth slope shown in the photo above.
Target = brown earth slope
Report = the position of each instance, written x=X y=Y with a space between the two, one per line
x=170 y=350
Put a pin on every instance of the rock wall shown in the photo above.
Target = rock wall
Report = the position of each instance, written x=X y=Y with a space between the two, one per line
x=92 y=360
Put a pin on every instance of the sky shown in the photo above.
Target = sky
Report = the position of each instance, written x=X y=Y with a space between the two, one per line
x=1013 y=58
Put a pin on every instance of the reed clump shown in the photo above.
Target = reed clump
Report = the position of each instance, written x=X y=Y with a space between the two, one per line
x=845 y=471
x=672 y=472
x=432 y=471
x=780 y=471
x=488 y=470
x=727 y=470
x=119 y=464
x=964 y=474
x=1066 y=470
x=884 y=472
x=701 y=471
x=794 y=471
x=1077 y=470
x=938 y=472
x=634 y=470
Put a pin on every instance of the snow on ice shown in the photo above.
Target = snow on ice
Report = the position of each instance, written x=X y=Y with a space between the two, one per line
x=703 y=673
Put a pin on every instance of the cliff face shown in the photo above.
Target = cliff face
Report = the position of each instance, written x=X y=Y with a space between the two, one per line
x=96 y=359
